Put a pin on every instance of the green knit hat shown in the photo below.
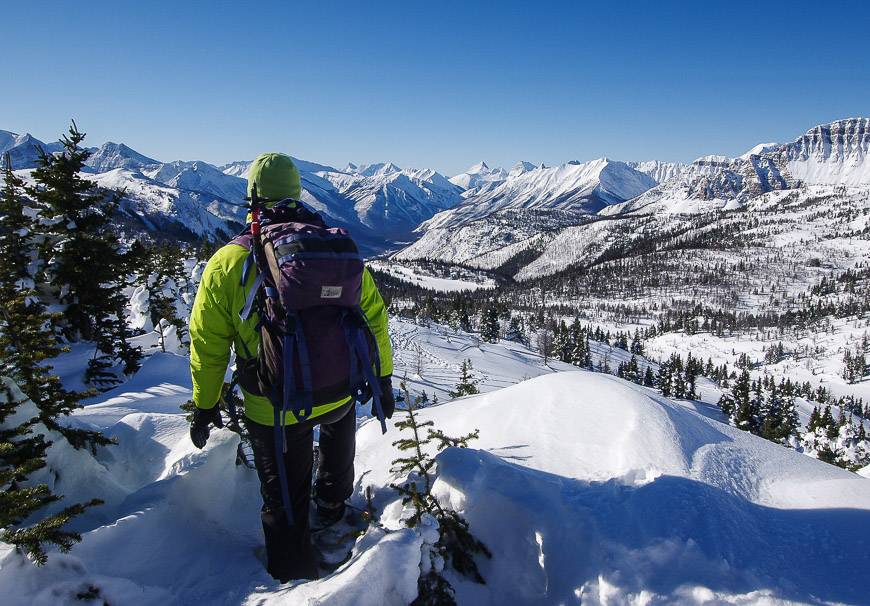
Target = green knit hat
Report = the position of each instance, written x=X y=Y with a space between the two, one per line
x=276 y=177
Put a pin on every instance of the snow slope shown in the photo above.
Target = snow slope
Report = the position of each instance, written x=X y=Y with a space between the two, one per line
x=586 y=488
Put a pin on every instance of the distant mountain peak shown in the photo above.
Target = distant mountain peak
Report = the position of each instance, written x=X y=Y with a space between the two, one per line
x=111 y=155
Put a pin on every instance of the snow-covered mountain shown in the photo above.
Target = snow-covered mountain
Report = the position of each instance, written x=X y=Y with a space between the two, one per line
x=110 y=156
x=23 y=149
x=200 y=177
x=391 y=201
x=658 y=170
x=828 y=154
x=480 y=175
x=169 y=210
x=530 y=224
x=581 y=187
x=526 y=204
x=380 y=202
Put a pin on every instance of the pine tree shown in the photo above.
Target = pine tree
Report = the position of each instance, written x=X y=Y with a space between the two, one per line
x=663 y=381
x=649 y=379
x=466 y=386
x=832 y=430
x=83 y=259
x=15 y=239
x=579 y=344
x=27 y=331
x=772 y=419
x=814 y=421
x=489 y=326
x=23 y=452
x=464 y=320
x=516 y=331
x=163 y=284
x=848 y=367
x=742 y=416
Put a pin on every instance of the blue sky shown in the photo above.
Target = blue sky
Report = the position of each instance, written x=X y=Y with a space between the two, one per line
x=434 y=84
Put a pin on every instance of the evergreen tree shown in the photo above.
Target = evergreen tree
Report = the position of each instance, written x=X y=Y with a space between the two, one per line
x=663 y=381
x=464 y=320
x=848 y=367
x=456 y=545
x=832 y=430
x=636 y=344
x=489 y=326
x=466 y=386
x=23 y=452
x=562 y=345
x=83 y=259
x=27 y=331
x=15 y=238
x=772 y=420
x=164 y=291
x=742 y=415
x=516 y=330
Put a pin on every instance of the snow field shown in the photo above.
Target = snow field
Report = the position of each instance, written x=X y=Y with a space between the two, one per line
x=586 y=488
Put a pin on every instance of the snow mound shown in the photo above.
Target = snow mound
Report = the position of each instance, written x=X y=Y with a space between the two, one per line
x=587 y=487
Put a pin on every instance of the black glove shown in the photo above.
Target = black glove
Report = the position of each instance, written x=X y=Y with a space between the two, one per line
x=199 y=428
x=388 y=398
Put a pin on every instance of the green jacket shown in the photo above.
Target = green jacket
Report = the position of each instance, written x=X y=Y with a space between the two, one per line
x=215 y=327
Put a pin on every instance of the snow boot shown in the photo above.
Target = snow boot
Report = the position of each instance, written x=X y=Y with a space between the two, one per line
x=289 y=554
x=327 y=513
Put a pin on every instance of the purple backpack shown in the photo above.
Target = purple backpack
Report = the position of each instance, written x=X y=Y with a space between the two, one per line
x=315 y=343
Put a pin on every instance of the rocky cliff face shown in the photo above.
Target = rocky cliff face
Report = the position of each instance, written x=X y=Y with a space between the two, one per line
x=835 y=153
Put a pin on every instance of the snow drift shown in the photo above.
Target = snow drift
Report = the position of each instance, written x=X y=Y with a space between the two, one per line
x=585 y=487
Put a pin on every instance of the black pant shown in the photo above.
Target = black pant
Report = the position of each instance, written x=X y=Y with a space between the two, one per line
x=288 y=547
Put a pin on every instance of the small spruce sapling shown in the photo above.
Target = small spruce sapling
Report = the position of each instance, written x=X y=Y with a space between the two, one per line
x=466 y=386
x=456 y=545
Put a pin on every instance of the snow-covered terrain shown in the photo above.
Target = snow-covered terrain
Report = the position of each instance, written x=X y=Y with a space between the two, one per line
x=586 y=488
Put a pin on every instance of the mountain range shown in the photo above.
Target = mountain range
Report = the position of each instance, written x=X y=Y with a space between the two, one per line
x=548 y=219
x=381 y=204
x=484 y=216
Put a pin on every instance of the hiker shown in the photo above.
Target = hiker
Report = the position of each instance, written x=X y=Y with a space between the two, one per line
x=308 y=326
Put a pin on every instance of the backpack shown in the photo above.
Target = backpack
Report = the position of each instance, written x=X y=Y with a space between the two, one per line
x=315 y=343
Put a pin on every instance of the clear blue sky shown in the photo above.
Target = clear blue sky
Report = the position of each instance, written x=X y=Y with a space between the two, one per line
x=433 y=84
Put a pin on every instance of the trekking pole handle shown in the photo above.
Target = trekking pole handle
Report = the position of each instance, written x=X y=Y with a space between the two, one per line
x=255 y=212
